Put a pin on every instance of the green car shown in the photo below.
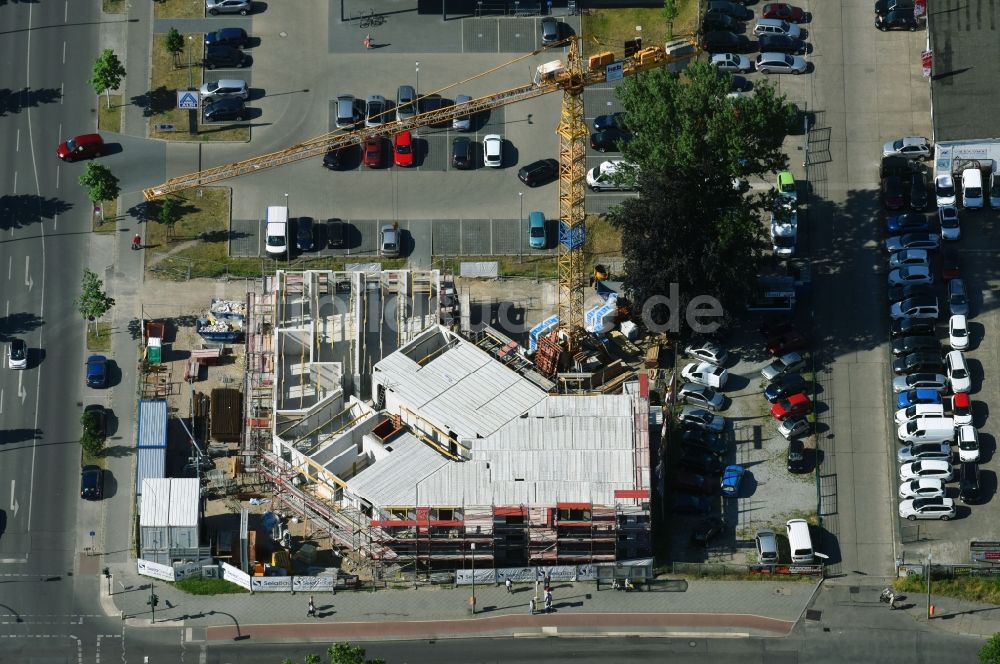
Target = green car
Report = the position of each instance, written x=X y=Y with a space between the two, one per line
x=536 y=230
x=786 y=187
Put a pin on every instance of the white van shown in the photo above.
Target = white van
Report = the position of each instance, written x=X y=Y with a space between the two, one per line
x=972 y=189
x=799 y=541
x=276 y=230
x=927 y=430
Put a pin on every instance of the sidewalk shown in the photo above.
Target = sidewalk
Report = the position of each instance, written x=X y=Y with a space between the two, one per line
x=715 y=608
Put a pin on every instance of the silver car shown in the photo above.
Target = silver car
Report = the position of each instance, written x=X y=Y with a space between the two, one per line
x=225 y=88
x=780 y=63
x=732 y=62
x=701 y=419
x=242 y=7
x=375 y=111
x=406 y=102
x=462 y=122
x=700 y=395
x=707 y=352
x=911 y=147
x=388 y=241
x=919 y=451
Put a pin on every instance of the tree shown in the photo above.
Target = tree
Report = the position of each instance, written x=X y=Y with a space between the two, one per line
x=94 y=302
x=92 y=439
x=690 y=226
x=175 y=46
x=108 y=73
x=101 y=184
x=669 y=13
x=990 y=652
x=168 y=214
x=345 y=653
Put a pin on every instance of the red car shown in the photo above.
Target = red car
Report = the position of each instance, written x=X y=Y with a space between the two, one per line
x=373 y=152
x=786 y=343
x=797 y=404
x=892 y=193
x=403 y=149
x=81 y=147
x=784 y=12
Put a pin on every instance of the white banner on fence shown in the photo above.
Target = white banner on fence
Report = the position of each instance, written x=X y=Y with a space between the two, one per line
x=528 y=574
x=235 y=575
x=313 y=583
x=186 y=570
x=271 y=584
x=155 y=570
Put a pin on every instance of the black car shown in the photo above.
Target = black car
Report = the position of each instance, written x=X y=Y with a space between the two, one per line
x=304 y=234
x=718 y=41
x=227 y=37
x=901 y=19
x=901 y=292
x=434 y=103
x=918 y=363
x=612 y=121
x=919 y=198
x=898 y=166
x=707 y=530
x=223 y=56
x=785 y=386
x=539 y=172
x=96 y=417
x=883 y=7
x=700 y=461
x=970 y=489
x=705 y=440
x=907 y=345
x=461 y=153
x=333 y=159
x=892 y=193
x=550 y=30
x=908 y=327
x=685 y=503
x=695 y=483
x=734 y=9
x=797 y=461
x=717 y=21
x=336 y=233
x=782 y=44
x=225 y=109
x=740 y=84
x=91 y=483
x=609 y=139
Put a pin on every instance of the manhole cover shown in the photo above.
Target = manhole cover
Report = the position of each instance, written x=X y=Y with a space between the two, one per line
x=813 y=614
x=854 y=590
x=282 y=34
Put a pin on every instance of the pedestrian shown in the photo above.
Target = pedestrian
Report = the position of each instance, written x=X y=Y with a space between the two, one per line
x=548 y=580
x=312 y=608
x=136 y=241
x=510 y=586
x=548 y=602
x=531 y=606
x=368 y=41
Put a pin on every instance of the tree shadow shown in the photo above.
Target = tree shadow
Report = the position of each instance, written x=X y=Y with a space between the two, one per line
x=20 y=210
x=8 y=436
x=14 y=101
x=155 y=102
x=150 y=210
x=221 y=236
x=18 y=323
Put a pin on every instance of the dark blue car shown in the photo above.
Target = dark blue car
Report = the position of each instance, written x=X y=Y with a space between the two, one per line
x=97 y=371
x=790 y=384
x=908 y=222
x=227 y=37
x=685 y=503
x=917 y=396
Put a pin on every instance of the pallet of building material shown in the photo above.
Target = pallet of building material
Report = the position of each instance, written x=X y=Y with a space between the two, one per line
x=623 y=343
x=652 y=360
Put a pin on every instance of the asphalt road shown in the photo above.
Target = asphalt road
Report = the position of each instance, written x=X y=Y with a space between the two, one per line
x=45 y=224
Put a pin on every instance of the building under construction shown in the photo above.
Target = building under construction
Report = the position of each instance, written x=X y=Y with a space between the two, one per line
x=368 y=414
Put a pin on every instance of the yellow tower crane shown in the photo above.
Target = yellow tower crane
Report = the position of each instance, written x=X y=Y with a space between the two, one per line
x=571 y=77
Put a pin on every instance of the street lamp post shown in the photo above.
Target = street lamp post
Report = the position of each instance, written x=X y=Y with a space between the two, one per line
x=929 y=615
x=473 y=546
x=190 y=73
x=416 y=67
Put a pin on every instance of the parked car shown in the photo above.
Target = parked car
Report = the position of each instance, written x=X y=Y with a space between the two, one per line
x=911 y=327
x=372 y=150
x=610 y=121
x=740 y=86
x=931 y=381
x=883 y=7
x=968 y=443
x=925 y=241
x=931 y=468
x=223 y=56
x=733 y=63
x=493 y=150
x=797 y=461
x=786 y=343
x=792 y=427
x=406 y=102
x=960 y=406
x=780 y=63
x=17 y=354
x=771 y=26
x=900 y=292
x=461 y=153
x=685 y=503
x=701 y=419
x=350 y=112
x=783 y=365
x=906 y=345
x=707 y=351
x=911 y=147
x=958 y=332
x=720 y=41
x=550 y=30
x=241 y=7
x=537 y=239
x=784 y=386
x=917 y=396
x=911 y=274
x=539 y=172
x=892 y=193
x=710 y=441
x=732 y=477
x=304 y=234
x=336 y=159
x=609 y=139
x=734 y=9
x=783 y=44
x=944 y=190
x=226 y=87
x=462 y=122
x=707 y=530
x=919 y=198
x=700 y=461
x=922 y=488
x=690 y=482
x=81 y=147
x=901 y=19
x=375 y=111
x=388 y=241
x=610 y=176
x=919 y=451
x=337 y=233
x=97 y=419
x=717 y=21
x=907 y=222
x=958 y=299
x=432 y=103
x=795 y=404
x=927 y=508
x=787 y=189
x=958 y=372
x=925 y=307
x=228 y=37
x=920 y=410
x=226 y=109
x=784 y=12
x=909 y=257
x=97 y=371
x=949 y=264
x=91 y=483
x=970 y=489
x=948 y=221
x=705 y=373
x=700 y=395
x=766 y=543
x=402 y=149
x=917 y=362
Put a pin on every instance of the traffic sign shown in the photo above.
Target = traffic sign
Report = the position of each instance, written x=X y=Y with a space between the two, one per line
x=187 y=99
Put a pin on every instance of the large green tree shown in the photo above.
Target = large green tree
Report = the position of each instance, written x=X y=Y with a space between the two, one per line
x=100 y=182
x=690 y=225
x=990 y=652
x=108 y=73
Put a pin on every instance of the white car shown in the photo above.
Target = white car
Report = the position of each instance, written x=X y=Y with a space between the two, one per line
x=732 y=62
x=961 y=408
x=17 y=354
x=930 y=381
x=929 y=469
x=912 y=147
x=927 y=508
x=919 y=410
x=493 y=150
x=958 y=372
x=792 y=427
x=707 y=352
x=968 y=443
x=911 y=274
x=701 y=419
x=928 y=241
x=705 y=373
x=948 y=218
x=700 y=395
x=944 y=190
x=784 y=233
x=922 y=488
x=958 y=332
x=225 y=88
x=610 y=176
x=780 y=63
x=908 y=257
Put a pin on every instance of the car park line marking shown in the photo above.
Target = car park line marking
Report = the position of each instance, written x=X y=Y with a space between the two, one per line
x=1 y=400
x=10 y=270
x=14 y=190
x=62 y=94
x=57 y=180
x=66 y=13
x=17 y=141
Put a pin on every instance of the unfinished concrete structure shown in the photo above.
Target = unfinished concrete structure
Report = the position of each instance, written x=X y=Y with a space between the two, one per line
x=412 y=444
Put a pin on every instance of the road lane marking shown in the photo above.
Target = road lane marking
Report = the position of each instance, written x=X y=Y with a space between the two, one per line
x=17 y=141
x=28 y=281
x=66 y=12
x=55 y=218
x=57 y=178
x=21 y=392
x=64 y=53
x=14 y=191
x=1 y=400
x=13 y=500
x=62 y=94
x=10 y=267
